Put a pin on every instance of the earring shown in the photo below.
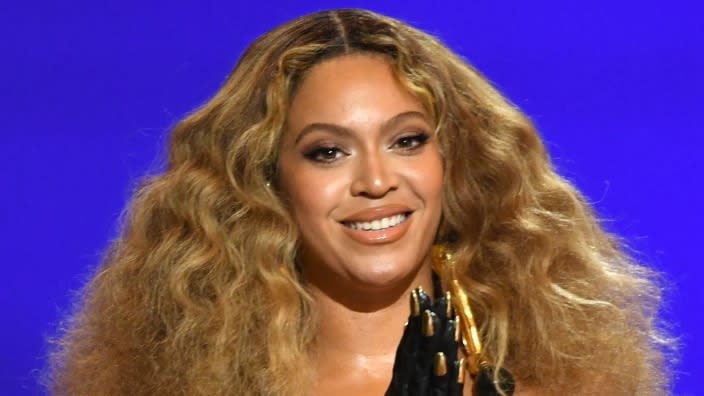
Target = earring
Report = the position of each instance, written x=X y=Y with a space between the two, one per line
x=480 y=368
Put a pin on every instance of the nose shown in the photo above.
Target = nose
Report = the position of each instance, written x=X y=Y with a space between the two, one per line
x=375 y=176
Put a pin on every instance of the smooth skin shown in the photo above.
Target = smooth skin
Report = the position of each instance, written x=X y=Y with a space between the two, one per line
x=359 y=147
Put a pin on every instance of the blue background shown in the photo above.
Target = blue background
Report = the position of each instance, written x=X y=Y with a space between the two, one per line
x=89 y=90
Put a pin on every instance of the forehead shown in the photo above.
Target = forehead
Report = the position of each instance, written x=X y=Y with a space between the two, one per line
x=351 y=88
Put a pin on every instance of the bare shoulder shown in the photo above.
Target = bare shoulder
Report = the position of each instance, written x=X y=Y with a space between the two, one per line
x=527 y=391
x=521 y=390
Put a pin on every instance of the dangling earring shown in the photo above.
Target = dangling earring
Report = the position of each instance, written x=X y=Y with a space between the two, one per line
x=480 y=369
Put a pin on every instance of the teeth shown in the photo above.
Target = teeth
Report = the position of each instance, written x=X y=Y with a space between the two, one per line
x=377 y=225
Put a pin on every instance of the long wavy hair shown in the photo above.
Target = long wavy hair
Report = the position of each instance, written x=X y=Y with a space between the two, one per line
x=200 y=294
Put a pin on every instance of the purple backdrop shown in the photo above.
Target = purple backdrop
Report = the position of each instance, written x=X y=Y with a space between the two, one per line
x=89 y=91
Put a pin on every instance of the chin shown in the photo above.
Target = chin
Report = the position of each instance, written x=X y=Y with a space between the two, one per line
x=387 y=276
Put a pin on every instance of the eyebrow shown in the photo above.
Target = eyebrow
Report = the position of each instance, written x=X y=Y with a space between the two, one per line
x=344 y=131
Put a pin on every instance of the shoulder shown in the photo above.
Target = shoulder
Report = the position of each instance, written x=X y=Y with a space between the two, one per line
x=521 y=390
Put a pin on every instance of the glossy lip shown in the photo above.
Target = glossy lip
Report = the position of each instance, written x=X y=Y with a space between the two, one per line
x=377 y=213
x=387 y=235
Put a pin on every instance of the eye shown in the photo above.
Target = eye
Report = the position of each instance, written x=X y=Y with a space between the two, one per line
x=324 y=154
x=411 y=142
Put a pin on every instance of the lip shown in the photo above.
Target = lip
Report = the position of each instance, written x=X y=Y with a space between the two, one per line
x=376 y=213
x=387 y=235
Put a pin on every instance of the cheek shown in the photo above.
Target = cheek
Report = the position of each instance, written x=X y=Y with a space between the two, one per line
x=427 y=176
x=435 y=176
x=312 y=195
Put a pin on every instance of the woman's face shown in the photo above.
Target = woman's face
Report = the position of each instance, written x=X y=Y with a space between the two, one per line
x=362 y=174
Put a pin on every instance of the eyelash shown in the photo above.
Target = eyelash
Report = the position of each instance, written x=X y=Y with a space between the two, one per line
x=323 y=154
x=329 y=154
x=416 y=141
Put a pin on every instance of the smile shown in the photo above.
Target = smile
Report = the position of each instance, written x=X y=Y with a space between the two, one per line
x=377 y=225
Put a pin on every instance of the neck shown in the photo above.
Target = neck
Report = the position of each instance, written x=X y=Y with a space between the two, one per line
x=360 y=329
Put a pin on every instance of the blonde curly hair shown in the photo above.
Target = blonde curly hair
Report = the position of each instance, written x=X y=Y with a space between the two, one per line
x=200 y=294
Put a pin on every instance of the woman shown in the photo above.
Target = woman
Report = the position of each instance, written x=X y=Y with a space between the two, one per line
x=299 y=209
